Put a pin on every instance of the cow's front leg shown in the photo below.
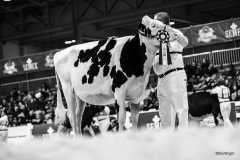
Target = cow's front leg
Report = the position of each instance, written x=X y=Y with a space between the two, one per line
x=134 y=115
x=71 y=103
x=120 y=101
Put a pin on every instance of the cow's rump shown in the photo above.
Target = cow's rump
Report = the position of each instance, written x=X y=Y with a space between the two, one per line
x=203 y=104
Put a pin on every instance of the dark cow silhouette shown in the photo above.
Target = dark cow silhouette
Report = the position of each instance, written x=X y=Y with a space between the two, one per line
x=107 y=72
x=202 y=104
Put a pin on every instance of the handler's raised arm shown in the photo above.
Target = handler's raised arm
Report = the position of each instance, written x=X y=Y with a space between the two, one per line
x=178 y=35
x=165 y=19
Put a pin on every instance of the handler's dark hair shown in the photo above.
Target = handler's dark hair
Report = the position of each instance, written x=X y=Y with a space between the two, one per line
x=163 y=17
x=221 y=81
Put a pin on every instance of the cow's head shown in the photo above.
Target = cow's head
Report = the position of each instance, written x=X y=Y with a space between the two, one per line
x=149 y=29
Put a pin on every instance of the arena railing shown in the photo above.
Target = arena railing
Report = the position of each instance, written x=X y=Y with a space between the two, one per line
x=196 y=58
x=7 y=87
x=27 y=85
x=219 y=57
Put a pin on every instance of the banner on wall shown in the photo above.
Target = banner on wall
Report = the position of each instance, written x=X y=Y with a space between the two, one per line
x=200 y=35
x=149 y=120
x=26 y=64
x=45 y=131
x=212 y=33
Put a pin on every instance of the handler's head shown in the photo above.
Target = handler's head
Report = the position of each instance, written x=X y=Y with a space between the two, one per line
x=163 y=17
x=221 y=81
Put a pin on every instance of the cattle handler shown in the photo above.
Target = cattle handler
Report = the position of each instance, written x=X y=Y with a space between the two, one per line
x=223 y=93
x=172 y=79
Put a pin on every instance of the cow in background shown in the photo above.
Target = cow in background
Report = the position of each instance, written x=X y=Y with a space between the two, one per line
x=105 y=72
x=202 y=105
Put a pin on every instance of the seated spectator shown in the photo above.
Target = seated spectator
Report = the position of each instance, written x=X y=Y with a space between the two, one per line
x=211 y=70
x=199 y=72
x=23 y=116
x=48 y=119
x=10 y=108
x=49 y=107
x=19 y=98
x=153 y=91
x=11 y=96
x=190 y=69
x=44 y=89
x=31 y=116
x=234 y=92
x=32 y=105
x=38 y=119
x=26 y=97
x=1 y=107
x=50 y=96
x=228 y=84
x=205 y=65
x=208 y=83
x=232 y=72
x=15 y=115
x=40 y=104
x=103 y=117
x=4 y=102
x=203 y=85
x=19 y=93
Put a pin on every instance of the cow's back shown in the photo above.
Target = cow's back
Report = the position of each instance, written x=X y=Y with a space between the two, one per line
x=88 y=68
x=202 y=103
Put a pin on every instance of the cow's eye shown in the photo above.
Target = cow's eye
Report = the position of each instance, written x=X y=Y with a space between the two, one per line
x=153 y=25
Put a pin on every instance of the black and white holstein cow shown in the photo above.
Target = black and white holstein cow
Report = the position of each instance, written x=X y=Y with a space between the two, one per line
x=105 y=72
x=202 y=105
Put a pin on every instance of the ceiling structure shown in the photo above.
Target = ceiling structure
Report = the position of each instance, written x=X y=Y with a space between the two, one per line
x=49 y=23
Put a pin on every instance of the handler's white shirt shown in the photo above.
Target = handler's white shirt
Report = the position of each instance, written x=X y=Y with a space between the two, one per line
x=177 y=59
x=223 y=93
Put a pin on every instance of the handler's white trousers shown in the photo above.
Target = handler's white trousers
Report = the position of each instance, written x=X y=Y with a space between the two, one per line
x=225 y=110
x=172 y=93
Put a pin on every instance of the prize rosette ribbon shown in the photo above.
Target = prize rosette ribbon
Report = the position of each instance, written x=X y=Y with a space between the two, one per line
x=164 y=54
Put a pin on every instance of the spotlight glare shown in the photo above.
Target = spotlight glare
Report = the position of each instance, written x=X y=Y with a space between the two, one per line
x=68 y=42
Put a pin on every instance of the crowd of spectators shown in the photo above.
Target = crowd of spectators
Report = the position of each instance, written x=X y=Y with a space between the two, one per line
x=24 y=107
x=203 y=76
x=39 y=107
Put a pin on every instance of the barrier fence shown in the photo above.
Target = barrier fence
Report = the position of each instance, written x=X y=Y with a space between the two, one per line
x=28 y=85
x=219 y=57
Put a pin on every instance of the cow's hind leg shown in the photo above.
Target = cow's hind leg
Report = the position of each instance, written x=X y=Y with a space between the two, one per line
x=79 y=113
x=71 y=103
x=120 y=101
x=134 y=115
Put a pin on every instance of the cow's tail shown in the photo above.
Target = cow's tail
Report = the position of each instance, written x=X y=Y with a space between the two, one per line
x=60 y=112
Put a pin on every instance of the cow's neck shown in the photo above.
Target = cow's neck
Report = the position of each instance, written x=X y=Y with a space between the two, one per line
x=150 y=51
x=137 y=57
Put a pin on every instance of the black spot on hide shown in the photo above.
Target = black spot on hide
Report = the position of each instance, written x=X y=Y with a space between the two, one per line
x=133 y=57
x=100 y=58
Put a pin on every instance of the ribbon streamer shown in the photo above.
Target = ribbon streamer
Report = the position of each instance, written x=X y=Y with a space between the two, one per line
x=164 y=54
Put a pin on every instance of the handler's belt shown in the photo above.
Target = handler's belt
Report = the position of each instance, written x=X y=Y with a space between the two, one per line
x=169 y=71
x=173 y=52
x=224 y=101
x=3 y=129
